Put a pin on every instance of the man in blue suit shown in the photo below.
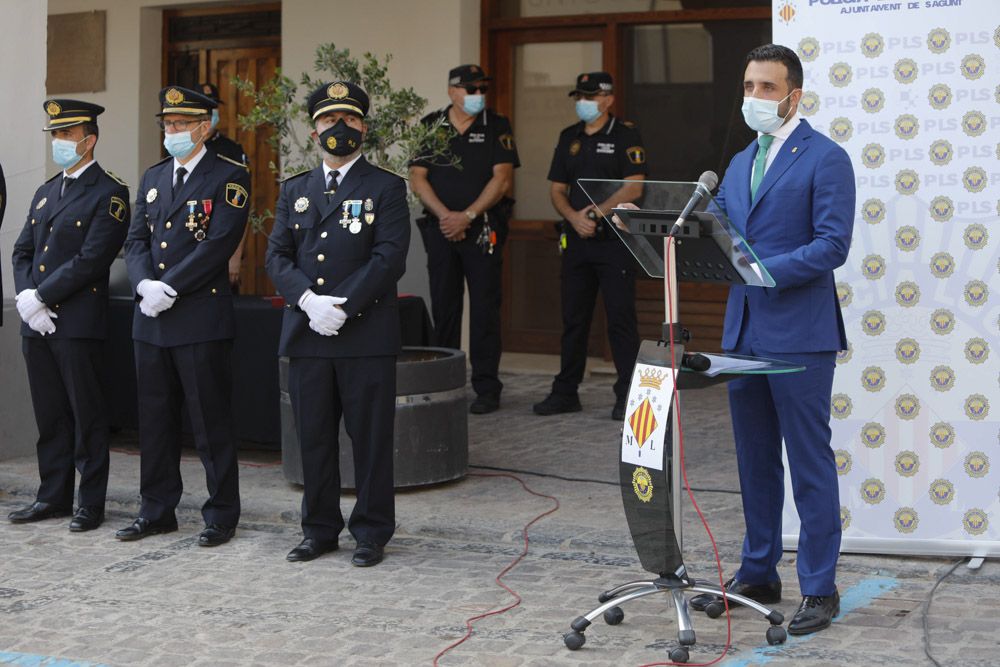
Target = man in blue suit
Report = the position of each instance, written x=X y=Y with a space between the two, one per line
x=791 y=195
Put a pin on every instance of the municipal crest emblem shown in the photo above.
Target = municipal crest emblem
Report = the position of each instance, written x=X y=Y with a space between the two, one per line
x=841 y=406
x=907 y=294
x=976 y=293
x=977 y=464
x=873 y=323
x=873 y=100
x=974 y=123
x=973 y=66
x=942 y=492
x=942 y=208
x=975 y=179
x=907 y=238
x=975 y=522
x=842 y=459
x=873 y=491
x=942 y=435
x=907 y=182
x=941 y=152
x=907 y=351
x=872 y=45
x=907 y=463
x=976 y=236
x=942 y=378
x=872 y=435
x=977 y=407
x=942 y=321
x=873 y=211
x=642 y=484
x=873 y=379
x=907 y=406
x=942 y=265
x=906 y=71
x=907 y=126
x=905 y=520
x=873 y=156
x=977 y=350
x=938 y=40
x=841 y=74
x=809 y=49
x=841 y=129
x=939 y=96
x=873 y=266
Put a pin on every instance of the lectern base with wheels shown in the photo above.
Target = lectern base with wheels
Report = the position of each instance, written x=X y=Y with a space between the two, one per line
x=705 y=249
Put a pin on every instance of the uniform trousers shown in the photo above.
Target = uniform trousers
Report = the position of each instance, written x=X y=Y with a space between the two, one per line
x=590 y=266
x=67 y=394
x=199 y=377
x=450 y=264
x=363 y=391
x=794 y=407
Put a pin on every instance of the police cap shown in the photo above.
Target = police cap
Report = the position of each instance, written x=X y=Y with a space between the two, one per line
x=175 y=99
x=338 y=96
x=67 y=113
x=591 y=83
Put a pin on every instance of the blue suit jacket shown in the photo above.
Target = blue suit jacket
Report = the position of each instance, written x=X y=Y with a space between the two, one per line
x=800 y=227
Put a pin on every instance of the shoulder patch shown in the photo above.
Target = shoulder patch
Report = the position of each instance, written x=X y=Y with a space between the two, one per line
x=636 y=154
x=236 y=195
x=232 y=161
x=114 y=177
x=507 y=141
x=117 y=209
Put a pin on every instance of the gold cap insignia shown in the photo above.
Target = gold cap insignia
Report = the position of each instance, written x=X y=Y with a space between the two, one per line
x=53 y=108
x=337 y=91
x=174 y=96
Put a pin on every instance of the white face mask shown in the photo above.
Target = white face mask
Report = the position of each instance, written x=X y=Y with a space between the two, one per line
x=762 y=115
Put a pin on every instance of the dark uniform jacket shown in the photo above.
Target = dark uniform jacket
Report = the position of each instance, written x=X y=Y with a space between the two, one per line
x=186 y=241
x=352 y=246
x=3 y=208
x=220 y=144
x=66 y=248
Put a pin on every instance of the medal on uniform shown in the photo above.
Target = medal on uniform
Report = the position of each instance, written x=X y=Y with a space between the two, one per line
x=301 y=204
x=369 y=204
x=351 y=212
x=151 y=195
x=191 y=225
x=355 y=226
x=369 y=218
x=199 y=235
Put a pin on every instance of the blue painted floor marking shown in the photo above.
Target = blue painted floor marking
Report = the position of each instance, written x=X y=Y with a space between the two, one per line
x=28 y=660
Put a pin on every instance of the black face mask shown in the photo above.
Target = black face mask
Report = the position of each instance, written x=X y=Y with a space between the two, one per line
x=340 y=139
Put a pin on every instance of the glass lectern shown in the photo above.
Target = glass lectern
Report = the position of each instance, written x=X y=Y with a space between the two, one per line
x=704 y=247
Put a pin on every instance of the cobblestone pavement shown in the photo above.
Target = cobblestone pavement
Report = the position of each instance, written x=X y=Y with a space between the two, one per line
x=86 y=598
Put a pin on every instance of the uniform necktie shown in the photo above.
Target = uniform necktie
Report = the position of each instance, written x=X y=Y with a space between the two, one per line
x=331 y=183
x=179 y=179
x=764 y=142
x=66 y=182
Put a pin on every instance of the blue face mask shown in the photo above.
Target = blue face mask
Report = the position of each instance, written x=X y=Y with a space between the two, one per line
x=179 y=144
x=473 y=104
x=215 y=118
x=762 y=115
x=64 y=152
x=586 y=110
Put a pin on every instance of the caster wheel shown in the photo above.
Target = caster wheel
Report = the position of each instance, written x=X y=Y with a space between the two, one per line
x=614 y=616
x=679 y=654
x=715 y=609
x=574 y=640
x=776 y=635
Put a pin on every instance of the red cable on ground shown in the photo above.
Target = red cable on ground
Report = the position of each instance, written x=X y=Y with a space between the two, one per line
x=524 y=552
x=687 y=486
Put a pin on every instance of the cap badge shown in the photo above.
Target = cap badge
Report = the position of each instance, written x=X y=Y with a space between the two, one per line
x=337 y=91
x=174 y=97
x=53 y=108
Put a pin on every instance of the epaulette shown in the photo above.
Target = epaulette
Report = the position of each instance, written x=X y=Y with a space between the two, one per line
x=157 y=164
x=114 y=177
x=54 y=176
x=628 y=123
x=388 y=171
x=301 y=173
x=232 y=161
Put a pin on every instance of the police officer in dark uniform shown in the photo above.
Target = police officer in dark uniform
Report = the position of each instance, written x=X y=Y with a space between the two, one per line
x=75 y=226
x=190 y=213
x=465 y=225
x=220 y=144
x=593 y=258
x=338 y=247
x=3 y=209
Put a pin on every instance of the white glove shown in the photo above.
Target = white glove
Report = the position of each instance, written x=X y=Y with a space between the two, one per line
x=41 y=321
x=28 y=304
x=325 y=315
x=156 y=297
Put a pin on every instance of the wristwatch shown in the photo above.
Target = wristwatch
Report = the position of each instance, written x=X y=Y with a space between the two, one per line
x=470 y=215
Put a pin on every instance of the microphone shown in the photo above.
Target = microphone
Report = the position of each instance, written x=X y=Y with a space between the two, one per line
x=706 y=183
x=696 y=361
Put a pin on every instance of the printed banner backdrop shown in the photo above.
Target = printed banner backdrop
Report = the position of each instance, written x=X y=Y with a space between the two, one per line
x=911 y=90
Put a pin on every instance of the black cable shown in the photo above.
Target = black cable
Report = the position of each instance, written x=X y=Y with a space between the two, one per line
x=927 y=611
x=585 y=479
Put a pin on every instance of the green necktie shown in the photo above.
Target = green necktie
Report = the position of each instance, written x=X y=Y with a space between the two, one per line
x=760 y=163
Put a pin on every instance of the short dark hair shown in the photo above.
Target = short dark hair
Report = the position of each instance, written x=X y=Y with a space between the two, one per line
x=779 y=54
x=90 y=128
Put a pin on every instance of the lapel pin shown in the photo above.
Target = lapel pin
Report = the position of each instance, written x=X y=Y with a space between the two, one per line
x=795 y=149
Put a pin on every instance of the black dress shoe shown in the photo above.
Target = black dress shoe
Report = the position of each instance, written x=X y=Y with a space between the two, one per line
x=37 y=511
x=367 y=554
x=141 y=528
x=86 y=518
x=215 y=534
x=618 y=412
x=310 y=549
x=485 y=404
x=555 y=404
x=814 y=614
x=769 y=593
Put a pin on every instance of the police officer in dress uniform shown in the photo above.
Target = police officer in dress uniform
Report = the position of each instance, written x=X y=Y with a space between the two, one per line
x=338 y=246
x=220 y=144
x=593 y=258
x=465 y=228
x=191 y=210
x=75 y=226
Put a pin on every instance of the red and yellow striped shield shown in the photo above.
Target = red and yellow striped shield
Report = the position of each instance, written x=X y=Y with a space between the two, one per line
x=643 y=422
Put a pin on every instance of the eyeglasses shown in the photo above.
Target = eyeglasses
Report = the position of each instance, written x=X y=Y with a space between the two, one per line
x=588 y=96
x=472 y=89
x=179 y=125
